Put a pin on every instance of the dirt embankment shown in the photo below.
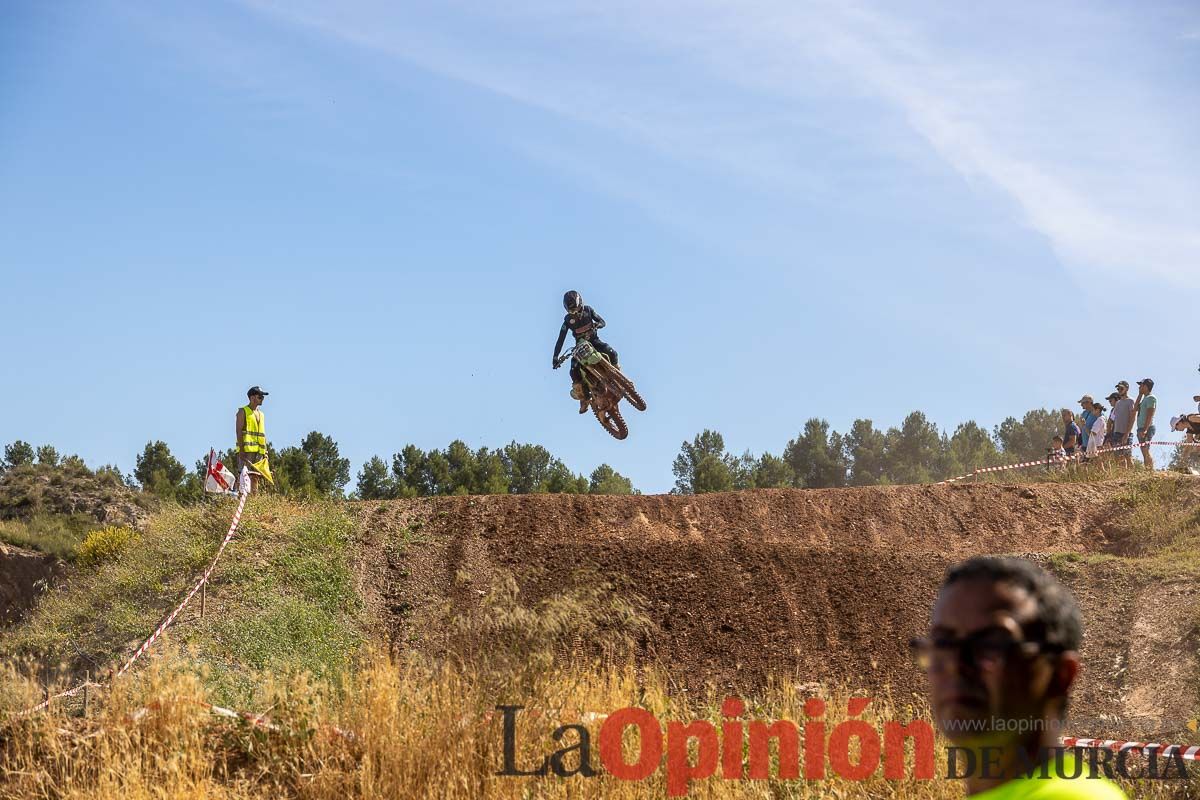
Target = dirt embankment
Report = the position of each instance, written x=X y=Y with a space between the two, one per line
x=23 y=574
x=816 y=586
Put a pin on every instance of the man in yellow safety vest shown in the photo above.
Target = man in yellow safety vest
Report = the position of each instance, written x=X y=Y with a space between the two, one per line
x=251 y=435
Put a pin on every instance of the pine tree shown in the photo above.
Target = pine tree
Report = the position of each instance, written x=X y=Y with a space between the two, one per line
x=159 y=472
x=606 y=480
x=330 y=472
x=703 y=465
x=374 y=481
x=18 y=454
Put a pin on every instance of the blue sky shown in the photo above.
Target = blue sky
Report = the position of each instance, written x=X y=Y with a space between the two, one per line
x=783 y=209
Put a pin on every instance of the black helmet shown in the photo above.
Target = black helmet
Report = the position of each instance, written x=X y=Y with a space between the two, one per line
x=572 y=301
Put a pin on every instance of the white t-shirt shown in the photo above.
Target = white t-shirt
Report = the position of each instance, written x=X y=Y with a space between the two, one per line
x=1095 y=436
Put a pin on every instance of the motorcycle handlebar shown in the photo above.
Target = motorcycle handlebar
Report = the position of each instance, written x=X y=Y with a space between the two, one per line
x=565 y=356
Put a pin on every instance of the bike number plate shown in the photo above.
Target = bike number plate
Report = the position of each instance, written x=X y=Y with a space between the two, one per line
x=587 y=354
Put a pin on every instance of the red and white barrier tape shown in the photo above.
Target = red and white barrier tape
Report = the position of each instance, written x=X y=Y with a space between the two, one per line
x=166 y=623
x=1188 y=752
x=1052 y=461
x=257 y=720
x=264 y=722
x=46 y=703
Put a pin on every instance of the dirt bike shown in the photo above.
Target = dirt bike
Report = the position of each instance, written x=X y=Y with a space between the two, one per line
x=607 y=385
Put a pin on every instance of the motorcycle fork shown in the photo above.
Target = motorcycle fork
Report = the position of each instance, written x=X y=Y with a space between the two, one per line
x=596 y=385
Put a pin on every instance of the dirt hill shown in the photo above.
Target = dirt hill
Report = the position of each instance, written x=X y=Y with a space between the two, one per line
x=71 y=494
x=813 y=585
x=71 y=490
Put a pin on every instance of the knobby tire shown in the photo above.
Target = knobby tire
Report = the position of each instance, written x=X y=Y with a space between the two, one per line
x=612 y=422
x=628 y=390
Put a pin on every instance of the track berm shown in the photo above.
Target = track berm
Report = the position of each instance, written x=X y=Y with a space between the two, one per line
x=817 y=586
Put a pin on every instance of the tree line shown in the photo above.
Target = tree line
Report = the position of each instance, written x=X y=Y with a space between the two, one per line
x=458 y=470
x=315 y=469
x=915 y=452
x=819 y=457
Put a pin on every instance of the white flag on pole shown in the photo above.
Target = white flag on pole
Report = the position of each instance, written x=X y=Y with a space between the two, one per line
x=219 y=479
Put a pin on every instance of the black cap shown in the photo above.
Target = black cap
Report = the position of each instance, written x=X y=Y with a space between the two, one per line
x=1113 y=396
x=256 y=390
x=1148 y=381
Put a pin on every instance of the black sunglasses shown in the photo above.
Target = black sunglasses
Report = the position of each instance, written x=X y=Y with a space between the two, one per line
x=986 y=649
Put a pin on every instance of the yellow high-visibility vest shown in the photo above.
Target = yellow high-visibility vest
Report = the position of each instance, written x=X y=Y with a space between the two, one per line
x=254 y=440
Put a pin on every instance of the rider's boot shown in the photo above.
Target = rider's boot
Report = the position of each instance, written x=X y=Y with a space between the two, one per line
x=580 y=394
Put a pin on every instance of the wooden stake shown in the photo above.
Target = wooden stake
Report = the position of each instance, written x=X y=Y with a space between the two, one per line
x=203 y=591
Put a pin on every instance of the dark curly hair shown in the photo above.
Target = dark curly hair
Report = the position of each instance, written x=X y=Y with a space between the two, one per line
x=1058 y=620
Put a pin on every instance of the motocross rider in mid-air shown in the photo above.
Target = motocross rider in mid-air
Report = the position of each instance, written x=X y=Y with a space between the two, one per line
x=582 y=321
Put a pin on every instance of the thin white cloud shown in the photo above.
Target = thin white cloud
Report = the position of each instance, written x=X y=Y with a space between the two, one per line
x=733 y=88
x=1159 y=239
x=688 y=127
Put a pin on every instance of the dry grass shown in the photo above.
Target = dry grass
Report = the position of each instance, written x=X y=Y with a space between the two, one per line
x=1163 y=520
x=414 y=732
x=417 y=732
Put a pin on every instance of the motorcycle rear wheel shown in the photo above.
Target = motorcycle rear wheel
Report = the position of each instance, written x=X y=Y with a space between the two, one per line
x=628 y=390
x=612 y=422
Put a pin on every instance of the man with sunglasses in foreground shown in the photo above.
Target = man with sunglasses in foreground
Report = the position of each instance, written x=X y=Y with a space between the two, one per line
x=1001 y=657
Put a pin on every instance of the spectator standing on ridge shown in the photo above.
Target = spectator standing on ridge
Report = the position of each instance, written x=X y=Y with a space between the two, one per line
x=251 y=434
x=1096 y=434
x=1088 y=415
x=1110 y=435
x=1123 y=416
x=1146 y=404
x=1189 y=425
x=1071 y=433
x=1002 y=656
x=1058 y=454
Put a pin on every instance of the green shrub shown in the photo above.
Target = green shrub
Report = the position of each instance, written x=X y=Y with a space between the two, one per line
x=103 y=545
x=54 y=534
